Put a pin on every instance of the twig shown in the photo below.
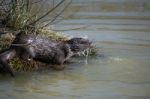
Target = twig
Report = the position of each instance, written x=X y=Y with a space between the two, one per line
x=72 y=28
x=51 y=10
x=28 y=5
x=49 y=23
x=36 y=2
x=37 y=11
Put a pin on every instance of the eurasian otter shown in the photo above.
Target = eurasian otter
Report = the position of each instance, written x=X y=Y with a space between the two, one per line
x=29 y=46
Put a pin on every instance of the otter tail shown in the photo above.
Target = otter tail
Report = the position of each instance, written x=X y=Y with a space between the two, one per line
x=5 y=56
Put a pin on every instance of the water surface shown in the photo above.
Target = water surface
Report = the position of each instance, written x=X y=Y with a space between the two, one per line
x=121 y=70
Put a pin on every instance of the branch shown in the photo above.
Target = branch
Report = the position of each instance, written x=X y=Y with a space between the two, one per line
x=49 y=23
x=36 y=2
x=36 y=13
x=51 y=10
x=28 y=5
x=71 y=29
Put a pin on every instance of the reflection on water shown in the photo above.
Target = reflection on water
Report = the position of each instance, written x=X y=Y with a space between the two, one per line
x=120 y=71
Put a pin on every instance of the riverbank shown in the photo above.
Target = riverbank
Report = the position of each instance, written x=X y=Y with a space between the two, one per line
x=23 y=65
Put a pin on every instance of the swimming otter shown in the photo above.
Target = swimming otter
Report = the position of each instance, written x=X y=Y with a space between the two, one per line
x=29 y=46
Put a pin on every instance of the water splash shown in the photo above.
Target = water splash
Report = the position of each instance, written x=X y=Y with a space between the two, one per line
x=84 y=53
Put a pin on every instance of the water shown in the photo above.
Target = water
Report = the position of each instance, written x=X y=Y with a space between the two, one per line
x=120 y=30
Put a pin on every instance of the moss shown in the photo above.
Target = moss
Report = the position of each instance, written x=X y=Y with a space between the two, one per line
x=52 y=34
x=22 y=65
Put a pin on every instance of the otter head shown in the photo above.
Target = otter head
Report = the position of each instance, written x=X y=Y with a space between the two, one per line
x=78 y=45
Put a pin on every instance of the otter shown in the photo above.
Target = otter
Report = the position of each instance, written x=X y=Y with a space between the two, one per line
x=30 y=46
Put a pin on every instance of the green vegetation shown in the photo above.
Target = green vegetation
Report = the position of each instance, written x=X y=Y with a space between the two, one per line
x=27 y=15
